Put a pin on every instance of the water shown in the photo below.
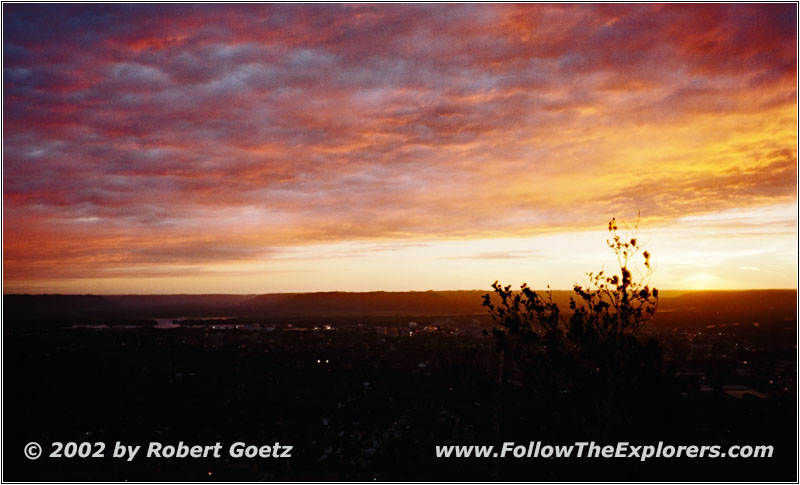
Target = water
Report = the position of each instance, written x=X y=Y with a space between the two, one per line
x=167 y=322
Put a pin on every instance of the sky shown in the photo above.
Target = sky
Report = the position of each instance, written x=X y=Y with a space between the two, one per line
x=199 y=148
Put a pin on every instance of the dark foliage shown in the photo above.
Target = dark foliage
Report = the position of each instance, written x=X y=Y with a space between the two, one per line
x=590 y=350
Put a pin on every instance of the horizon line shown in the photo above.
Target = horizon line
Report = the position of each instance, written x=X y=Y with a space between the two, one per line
x=671 y=290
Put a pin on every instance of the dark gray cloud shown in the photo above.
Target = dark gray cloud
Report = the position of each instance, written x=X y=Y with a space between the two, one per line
x=290 y=124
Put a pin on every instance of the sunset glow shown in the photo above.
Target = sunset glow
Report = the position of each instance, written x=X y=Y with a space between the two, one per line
x=179 y=148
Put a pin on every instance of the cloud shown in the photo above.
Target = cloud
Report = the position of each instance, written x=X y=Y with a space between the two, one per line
x=278 y=125
x=499 y=255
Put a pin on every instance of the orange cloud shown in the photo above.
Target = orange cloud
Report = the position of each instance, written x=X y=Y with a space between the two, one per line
x=172 y=135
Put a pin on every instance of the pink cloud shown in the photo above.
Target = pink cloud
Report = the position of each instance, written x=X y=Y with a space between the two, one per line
x=168 y=122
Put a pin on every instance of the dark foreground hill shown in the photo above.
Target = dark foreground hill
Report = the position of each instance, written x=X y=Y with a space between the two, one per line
x=364 y=406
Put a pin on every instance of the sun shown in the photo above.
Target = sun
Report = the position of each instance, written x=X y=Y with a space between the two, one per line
x=700 y=281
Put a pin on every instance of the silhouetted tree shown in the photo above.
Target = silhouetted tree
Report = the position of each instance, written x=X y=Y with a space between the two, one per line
x=590 y=350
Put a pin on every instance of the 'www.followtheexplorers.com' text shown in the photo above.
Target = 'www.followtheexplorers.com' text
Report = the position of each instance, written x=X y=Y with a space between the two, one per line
x=590 y=449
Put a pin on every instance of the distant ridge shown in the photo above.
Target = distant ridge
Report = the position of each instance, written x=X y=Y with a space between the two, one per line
x=745 y=306
x=180 y=305
x=375 y=302
x=728 y=300
x=56 y=307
